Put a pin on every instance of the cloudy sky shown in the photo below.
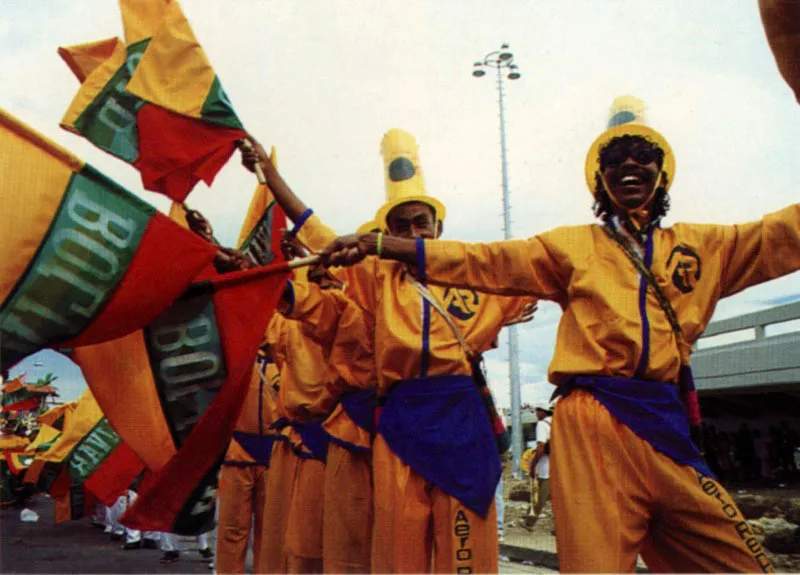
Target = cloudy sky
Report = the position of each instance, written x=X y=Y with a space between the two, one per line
x=323 y=80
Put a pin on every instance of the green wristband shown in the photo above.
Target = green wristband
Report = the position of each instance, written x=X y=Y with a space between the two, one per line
x=378 y=244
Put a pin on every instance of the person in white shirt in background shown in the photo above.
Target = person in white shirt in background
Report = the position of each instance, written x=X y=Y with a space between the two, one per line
x=540 y=464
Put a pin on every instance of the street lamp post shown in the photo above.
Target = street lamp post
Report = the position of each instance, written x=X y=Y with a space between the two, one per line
x=503 y=61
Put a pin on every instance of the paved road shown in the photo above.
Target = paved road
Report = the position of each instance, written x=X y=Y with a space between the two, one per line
x=78 y=547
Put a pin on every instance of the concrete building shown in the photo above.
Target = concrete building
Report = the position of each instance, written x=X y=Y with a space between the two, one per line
x=747 y=368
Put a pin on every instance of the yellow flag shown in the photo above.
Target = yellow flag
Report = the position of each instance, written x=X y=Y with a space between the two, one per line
x=174 y=72
x=87 y=414
x=83 y=59
x=45 y=436
x=141 y=18
x=262 y=198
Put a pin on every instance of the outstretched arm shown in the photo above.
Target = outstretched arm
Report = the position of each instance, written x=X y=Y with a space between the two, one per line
x=534 y=267
x=349 y=250
x=760 y=251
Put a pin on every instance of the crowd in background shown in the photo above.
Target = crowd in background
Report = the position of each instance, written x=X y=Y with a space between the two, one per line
x=767 y=454
x=749 y=455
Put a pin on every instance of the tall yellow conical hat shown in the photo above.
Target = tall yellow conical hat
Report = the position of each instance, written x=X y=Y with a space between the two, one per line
x=403 y=175
x=626 y=118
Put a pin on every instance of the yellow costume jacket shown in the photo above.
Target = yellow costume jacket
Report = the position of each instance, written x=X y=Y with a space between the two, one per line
x=612 y=324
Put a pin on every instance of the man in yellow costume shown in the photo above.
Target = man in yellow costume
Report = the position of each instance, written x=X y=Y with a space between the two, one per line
x=287 y=437
x=295 y=489
x=626 y=476
x=244 y=473
x=322 y=345
x=346 y=338
x=434 y=507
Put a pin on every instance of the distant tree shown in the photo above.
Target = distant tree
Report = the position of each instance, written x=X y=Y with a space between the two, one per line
x=46 y=380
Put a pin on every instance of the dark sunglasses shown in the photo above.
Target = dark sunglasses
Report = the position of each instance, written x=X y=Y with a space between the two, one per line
x=642 y=153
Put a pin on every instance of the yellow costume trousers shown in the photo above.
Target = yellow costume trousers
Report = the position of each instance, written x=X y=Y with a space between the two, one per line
x=304 y=526
x=347 y=523
x=242 y=497
x=282 y=472
x=614 y=497
x=416 y=523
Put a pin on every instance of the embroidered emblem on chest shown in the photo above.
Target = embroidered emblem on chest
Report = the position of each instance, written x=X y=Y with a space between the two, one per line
x=461 y=303
x=684 y=265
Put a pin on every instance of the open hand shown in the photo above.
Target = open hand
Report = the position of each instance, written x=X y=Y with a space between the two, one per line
x=525 y=315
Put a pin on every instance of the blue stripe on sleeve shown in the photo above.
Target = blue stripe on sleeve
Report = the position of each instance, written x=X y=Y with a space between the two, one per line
x=300 y=221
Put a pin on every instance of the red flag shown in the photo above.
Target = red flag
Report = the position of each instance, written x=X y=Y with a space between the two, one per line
x=200 y=356
x=114 y=475
x=176 y=152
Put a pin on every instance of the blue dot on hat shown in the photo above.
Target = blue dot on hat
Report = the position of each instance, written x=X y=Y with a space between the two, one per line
x=401 y=169
x=621 y=117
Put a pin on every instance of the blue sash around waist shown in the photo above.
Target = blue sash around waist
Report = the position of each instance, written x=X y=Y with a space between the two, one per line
x=438 y=426
x=653 y=410
x=315 y=438
x=259 y=447
x=360 y=407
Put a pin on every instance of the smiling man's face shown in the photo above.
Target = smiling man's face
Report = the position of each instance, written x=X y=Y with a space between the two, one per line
x=630 y=167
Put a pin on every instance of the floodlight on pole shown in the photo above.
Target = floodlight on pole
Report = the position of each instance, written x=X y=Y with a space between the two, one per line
x=503 y=61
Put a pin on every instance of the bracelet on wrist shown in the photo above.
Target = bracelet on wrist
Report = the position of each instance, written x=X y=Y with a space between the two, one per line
x=379 y=244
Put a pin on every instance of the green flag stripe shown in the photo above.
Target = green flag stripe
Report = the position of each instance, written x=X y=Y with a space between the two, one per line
x=92 y=450
x=109 y=121
x=48 y=475
x=26 y=460
x=217 y=108
x=187 y=359
x=258 y=245
x=197 y=513
x=77 y=501
x=45 y=446
x=85 y=254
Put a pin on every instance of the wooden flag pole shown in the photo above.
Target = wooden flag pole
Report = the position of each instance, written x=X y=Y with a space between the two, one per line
x=259 y=172
x=329 y=275
x=236 y=277
x=306 y=261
